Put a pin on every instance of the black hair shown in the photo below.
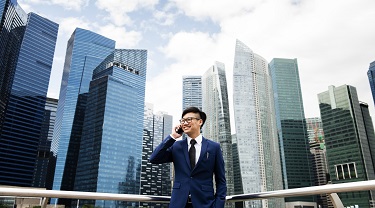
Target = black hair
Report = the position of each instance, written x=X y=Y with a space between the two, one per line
x=192 y=109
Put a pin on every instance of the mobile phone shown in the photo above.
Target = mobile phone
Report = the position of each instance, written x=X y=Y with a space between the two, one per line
x=179 y=130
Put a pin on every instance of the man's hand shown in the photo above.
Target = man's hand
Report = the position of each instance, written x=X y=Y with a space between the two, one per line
x=175 y=133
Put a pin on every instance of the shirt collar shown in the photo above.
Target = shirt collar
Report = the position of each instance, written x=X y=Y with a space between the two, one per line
x=198 y=139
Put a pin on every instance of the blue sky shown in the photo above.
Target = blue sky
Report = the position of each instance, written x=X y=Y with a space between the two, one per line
x=333 y=41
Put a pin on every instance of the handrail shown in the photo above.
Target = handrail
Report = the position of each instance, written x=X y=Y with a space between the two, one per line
x=313 y=190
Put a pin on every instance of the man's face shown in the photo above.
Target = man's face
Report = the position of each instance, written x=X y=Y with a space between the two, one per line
x=194 y=126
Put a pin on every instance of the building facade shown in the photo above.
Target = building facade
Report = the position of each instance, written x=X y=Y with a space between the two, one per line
x=371 y=78
x=255 y=124
x=12 y=29
x=319 y=158
x=27 y=46
x=155 y=178
x=46 y=161
x=111 y=146
x=349 y=139
x=215 y=104
x=85 y=50
x=291 y=126
x=191 y=91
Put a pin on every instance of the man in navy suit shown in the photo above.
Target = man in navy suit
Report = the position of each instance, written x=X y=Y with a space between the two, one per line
x=193 y=187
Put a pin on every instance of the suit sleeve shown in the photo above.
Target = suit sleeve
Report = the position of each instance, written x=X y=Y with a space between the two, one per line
x=221 y=183
x=163 y=152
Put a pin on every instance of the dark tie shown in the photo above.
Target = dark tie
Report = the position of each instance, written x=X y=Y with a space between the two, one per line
x=192 y=153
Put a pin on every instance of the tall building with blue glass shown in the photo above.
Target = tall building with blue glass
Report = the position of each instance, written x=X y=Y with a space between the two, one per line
x=27 y=46
x=291 y=126
x=85 y=51
x=46 y=161
x=12 y=28
x=371 y=78
x=111 y=146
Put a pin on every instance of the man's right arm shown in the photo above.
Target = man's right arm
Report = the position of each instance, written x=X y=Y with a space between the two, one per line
x=163 y=152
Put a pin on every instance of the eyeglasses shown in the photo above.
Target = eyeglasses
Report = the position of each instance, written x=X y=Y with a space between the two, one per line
x=187 y=120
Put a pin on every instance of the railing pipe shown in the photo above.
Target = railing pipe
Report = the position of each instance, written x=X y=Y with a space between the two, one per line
x=25 y=192
x=314 y=190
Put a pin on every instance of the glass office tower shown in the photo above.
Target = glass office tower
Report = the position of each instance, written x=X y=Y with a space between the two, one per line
x=191 y=92
x=85 y=50
x=255 y=124
x=111 y=146
x=349 y=138
x=291 y=126
x=155 y=178
x=12 y=28
x=46 y=161
x=371 y=78
x=217 y=126
x=27 y=46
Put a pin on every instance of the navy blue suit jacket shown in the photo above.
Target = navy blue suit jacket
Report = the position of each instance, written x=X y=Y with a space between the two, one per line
x=199 y=181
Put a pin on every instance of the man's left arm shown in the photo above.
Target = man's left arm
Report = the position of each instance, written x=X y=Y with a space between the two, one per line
x=221 y=183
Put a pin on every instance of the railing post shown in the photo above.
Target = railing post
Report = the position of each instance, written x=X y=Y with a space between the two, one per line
x=336 y=201
x=44 y=202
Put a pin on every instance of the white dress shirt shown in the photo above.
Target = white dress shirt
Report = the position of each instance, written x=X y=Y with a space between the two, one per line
x=198 y=146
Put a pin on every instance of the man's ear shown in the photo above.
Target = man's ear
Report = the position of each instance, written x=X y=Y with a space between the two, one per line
x=200 y=122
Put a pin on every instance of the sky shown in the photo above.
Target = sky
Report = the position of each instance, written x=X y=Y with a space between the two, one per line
x=333 y=41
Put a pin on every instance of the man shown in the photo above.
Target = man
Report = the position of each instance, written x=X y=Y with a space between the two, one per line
x=196 y=160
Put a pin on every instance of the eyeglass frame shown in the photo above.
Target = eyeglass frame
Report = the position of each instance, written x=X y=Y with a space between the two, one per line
x=187 y=120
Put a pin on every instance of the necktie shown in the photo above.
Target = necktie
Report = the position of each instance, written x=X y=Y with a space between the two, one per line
x=192 y=153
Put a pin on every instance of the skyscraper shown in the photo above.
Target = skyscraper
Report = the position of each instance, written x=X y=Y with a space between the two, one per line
x=111 y=146
x=155 y=178
x=319 y=158
x=27 y=46
x=217 y=126
x=255 y=124
x=371 y=78
x=349 y=138
x=85 y=50
x=191 y=91
x=291 y=126
x=46 y=161
x=12 y=29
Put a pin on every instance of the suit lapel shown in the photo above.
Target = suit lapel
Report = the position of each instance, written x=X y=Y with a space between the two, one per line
x=203 y=151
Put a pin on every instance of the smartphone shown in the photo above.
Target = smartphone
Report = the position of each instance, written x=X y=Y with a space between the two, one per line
x=179 y=130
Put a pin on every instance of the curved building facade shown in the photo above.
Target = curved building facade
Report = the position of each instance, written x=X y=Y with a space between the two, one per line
x=255 y=124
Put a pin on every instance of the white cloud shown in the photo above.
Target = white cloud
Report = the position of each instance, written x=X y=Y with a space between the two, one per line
x=70 y=4
x=124 y=39
x=118 y=10
x=66 y=4
x=164 y=18
x=68 y=25
x=216 y=10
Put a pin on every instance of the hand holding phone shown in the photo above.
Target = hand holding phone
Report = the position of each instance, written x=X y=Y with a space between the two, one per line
x=179 y=130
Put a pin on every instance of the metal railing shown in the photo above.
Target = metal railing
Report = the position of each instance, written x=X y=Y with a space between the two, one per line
x=330 y=189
